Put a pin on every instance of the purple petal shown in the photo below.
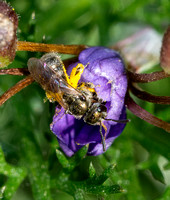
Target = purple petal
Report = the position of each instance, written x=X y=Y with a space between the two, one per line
x=105 y=69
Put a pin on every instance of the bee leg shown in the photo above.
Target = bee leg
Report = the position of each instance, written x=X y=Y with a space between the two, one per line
x=103 y=137
x=76 y=75
x=105 y=128
x=66 y=75
x=50 y=96
x=87 y=86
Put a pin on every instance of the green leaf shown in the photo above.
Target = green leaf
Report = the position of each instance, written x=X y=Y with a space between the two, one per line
x=167 y=166
x=15 y=176
x=37 y=169
x=166 y=195
x=92 y=172
x=70 y=163
x=152 y=165
x=157 y=173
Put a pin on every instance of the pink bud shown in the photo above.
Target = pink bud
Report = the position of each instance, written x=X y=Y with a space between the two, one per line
x=8 y=38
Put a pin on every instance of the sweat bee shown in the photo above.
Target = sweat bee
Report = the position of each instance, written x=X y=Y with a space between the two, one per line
x=78 y=99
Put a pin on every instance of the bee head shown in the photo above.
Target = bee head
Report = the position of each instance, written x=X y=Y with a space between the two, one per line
x=96 y=113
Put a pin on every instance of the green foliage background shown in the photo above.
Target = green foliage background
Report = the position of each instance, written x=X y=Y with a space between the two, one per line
x=30 y=167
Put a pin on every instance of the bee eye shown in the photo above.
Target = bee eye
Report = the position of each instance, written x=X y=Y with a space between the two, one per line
x=99 y=109
x=82 y=98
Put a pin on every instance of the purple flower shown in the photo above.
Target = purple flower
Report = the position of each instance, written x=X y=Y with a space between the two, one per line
x=105 y=69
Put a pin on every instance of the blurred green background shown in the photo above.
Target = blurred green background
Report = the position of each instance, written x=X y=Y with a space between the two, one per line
x=141 y=153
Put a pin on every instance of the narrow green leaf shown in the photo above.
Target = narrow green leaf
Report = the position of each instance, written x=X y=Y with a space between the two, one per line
x=15 y=177
x=37 y=170
x=157 y=173
x=92 y=171
x=62 y=159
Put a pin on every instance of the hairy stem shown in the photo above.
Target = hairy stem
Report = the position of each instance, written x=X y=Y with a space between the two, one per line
x=40 y=47
x=15 y=71
x=145 y=115
x=137 y=91
x=15 y=89
x=146 y=78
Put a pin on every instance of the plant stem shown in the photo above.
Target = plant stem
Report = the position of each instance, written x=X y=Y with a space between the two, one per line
x=146 y=78
x=145 y=115
x=15 y=89
x=40 y=47
x=137 y=91
x=14 y=71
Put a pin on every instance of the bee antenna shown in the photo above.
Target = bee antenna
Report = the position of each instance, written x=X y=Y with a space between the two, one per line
x=124 y=121
x=102 y=137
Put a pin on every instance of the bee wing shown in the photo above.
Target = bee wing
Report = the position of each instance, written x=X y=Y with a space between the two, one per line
x=39 y=71
x=54 y=85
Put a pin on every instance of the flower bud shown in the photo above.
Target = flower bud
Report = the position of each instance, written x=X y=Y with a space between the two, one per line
x=8 y=38
x=165 y=52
